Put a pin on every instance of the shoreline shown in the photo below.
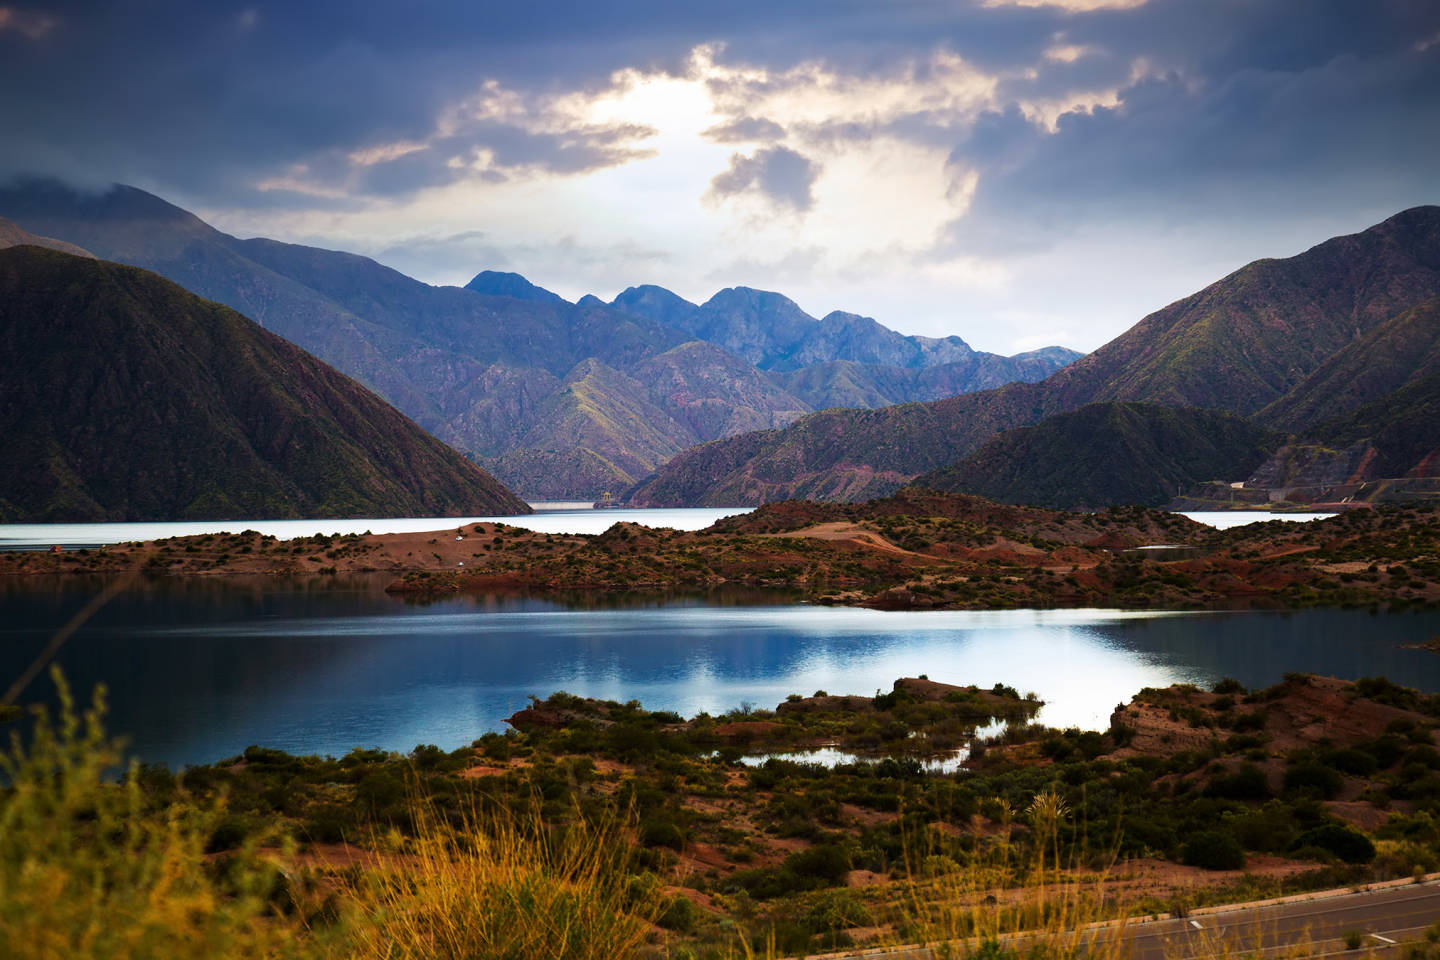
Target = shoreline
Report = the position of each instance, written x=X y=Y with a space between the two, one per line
x=914 y=551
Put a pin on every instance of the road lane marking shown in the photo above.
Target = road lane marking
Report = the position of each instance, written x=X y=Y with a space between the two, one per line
x=1196 y=924
x=1382 y=939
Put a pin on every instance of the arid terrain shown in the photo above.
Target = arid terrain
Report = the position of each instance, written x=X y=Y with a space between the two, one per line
x=915 y=550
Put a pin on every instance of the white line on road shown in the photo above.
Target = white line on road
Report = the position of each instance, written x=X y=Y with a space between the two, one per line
x=1382 y=939
x=1196 y=924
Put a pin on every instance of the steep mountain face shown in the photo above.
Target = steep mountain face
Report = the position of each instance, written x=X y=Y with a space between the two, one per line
x=1239 y=345
x=1402 y=430
x=1368 y=413
x=1393 y=437
x=1402 y=350
x=126 y=397
x=489 y=372
x=1108 y=454
x=842 y=359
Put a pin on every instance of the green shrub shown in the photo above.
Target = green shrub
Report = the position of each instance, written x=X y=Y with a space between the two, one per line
x=1345 y=843
x=662 y=832
x=1246 y=783
x=680 y=915
x=1314 y=779
x=1213 y=850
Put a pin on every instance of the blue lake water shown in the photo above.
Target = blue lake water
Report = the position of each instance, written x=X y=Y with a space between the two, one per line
x=198 y=669
x=556 y=517
x=568 y=518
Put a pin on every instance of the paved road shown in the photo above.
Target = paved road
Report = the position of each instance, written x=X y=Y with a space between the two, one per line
x=1386 y=917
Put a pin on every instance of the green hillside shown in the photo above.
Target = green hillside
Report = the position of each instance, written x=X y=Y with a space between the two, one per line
x=1403 y=428
x=1239 y=345
x=486 y=367
x=1107 y=454
x=1402 y=350
x=125 y=397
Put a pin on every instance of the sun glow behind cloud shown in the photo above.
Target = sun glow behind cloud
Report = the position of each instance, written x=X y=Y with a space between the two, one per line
x=879 y=198
x=844 y=185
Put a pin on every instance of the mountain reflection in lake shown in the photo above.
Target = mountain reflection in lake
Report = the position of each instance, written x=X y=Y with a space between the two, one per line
x=199 y=669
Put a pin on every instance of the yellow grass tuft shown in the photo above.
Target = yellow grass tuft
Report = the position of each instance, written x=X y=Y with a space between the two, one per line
x=502 y=885
x=86 y=871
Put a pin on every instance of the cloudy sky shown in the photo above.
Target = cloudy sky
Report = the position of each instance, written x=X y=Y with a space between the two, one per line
x=1018 y=172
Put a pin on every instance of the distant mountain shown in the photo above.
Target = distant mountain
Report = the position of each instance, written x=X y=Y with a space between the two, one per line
x=1239 y=345
x=846 y=383
x=1108 y=454
x=488 y=373
x=125 y=397
x=496 y=284
x=11 y=235
x=842 y=359
x=583 y=396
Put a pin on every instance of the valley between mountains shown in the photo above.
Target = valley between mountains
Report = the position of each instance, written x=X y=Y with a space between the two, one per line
x=559 y=400
x=1306 y=380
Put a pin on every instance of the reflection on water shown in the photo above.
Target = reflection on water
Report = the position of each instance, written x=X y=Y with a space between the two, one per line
x=948 y=761
x=198 y=669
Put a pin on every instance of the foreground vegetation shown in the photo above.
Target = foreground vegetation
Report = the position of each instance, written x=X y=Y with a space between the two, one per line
x=599 y=829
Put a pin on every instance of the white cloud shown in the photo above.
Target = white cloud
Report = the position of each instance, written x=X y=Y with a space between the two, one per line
x=861 y=230
x=385 y=152
x=1069 y=52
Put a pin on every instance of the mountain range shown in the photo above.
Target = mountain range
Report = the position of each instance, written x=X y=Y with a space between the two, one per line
x=558 y=399
x=125 y=397
x=1326 y=346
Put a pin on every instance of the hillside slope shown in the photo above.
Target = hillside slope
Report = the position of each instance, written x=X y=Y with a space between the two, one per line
x=125 y=397
x=1403 y=430
x=1402 y=350
x=481 y=370
x=12 y=235
x=1107 y=454
x=1238 y=345
x=484 y=367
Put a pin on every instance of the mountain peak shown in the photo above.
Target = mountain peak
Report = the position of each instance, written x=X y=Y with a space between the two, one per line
x=496 y=283
x=650 y=293
x=733 y=298
x=27 y=197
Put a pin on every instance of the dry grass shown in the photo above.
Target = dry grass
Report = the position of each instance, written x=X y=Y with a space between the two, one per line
x=87 y=872
x=1000 y=905
x=501 y=885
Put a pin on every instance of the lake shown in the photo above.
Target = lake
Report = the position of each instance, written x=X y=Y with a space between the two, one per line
x=564 y=517
x=200 y=668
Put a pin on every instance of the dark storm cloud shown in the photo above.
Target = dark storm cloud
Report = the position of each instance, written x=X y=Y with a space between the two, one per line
x=1278 y=101
x=779 y=174
x=201 y=101
x=1352 y=132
